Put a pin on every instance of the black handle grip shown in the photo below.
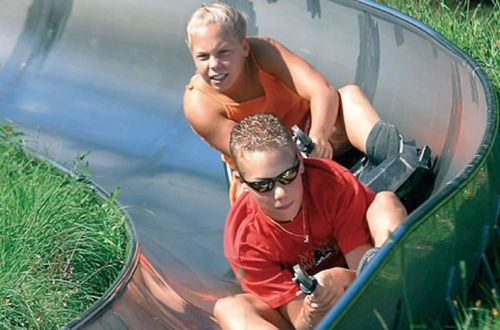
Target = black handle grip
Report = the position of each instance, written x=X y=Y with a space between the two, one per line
x=306 y=282
x=304 y=143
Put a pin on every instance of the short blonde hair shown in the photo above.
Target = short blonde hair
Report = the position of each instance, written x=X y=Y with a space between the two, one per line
x=218 y=13
x=260 y=132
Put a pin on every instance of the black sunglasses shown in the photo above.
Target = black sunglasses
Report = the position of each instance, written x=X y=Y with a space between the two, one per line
x=265 y=185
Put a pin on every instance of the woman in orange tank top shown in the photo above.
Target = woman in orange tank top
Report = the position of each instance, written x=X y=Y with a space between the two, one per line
x=278 y=99
x=237 y=76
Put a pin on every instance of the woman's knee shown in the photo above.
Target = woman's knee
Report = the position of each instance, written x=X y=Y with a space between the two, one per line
x=231 y=311
x=247 y=311
x=384 y=202
x=351 y=91
x=244 y=302
x=221 y=305
x=386 y=198
x=384 y=215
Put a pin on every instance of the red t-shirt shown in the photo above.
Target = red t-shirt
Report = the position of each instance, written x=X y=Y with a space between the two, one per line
x=262 y=255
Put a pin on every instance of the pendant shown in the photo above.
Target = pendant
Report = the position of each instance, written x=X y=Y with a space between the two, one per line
x=306 y=238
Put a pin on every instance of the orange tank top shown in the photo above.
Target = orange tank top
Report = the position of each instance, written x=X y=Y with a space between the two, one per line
x=278 y=99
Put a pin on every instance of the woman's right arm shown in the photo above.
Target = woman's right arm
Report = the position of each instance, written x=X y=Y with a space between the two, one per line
x=208 y=119
x=306 y=312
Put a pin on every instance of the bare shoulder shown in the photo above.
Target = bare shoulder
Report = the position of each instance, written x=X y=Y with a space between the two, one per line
x=269 y=53
x=208 y=118
x=265 y=44
x=200 y=109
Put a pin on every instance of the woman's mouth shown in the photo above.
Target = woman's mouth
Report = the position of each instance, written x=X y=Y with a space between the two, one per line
x=284 y=206
x=218 y=78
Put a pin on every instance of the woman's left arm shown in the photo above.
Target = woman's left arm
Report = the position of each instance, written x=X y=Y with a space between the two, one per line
x=301 y=77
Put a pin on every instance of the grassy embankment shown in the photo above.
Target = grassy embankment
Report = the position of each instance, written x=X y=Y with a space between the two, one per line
x=61 y=246
x=475 y=28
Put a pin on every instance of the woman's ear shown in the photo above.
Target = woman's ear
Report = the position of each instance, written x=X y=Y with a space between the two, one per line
x=237 y=176
x=240 y=185
x=246 y=47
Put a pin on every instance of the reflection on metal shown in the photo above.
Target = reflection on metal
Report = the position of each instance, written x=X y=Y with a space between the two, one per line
x=314 y=7
x=399 y=35
x=43 y=27
x=151 y=302
x=435 y=53
x=398 y=310
x=488 y=236
x=454 y=124
x=367 y=69
x=473 y=87
x=450 y=302
x=247 y=8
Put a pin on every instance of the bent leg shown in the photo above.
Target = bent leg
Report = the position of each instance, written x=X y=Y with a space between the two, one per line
x=384 y=215
x=356 y=119
x=360 y=125
x=246 y=311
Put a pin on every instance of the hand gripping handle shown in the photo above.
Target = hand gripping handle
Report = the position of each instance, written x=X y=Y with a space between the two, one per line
x=306 y=282
x=304 y=143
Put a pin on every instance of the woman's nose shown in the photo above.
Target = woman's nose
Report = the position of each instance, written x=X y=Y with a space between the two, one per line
x=279 y=191
x=213 y=62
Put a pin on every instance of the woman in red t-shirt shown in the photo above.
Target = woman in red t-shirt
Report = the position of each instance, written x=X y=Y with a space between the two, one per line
x=310 y=212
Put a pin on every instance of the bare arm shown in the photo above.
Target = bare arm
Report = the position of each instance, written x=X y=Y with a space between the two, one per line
x=306 y=312
x=301 y=77
x=208 y=119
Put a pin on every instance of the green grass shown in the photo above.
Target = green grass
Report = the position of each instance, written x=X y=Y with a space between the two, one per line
x=475 y=28
x=61 y=246
x=479 y=307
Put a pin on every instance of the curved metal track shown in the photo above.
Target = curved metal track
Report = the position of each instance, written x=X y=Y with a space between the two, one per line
x=108 y=77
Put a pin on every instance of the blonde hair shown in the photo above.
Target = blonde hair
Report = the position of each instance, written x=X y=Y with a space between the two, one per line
x=218 y=13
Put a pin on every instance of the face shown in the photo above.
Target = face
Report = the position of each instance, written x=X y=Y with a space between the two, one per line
x=219 y=57
x=283 y=202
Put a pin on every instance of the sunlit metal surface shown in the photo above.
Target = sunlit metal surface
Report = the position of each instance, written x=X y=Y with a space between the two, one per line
x=108 y=77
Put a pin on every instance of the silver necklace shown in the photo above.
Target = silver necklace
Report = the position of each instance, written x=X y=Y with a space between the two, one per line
x=304 y=233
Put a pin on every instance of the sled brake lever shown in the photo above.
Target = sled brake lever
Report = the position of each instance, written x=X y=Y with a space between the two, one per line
x=306 y=282
x=304 y=143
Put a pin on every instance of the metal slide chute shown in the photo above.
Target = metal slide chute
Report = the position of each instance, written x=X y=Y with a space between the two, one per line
x=108 y=77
